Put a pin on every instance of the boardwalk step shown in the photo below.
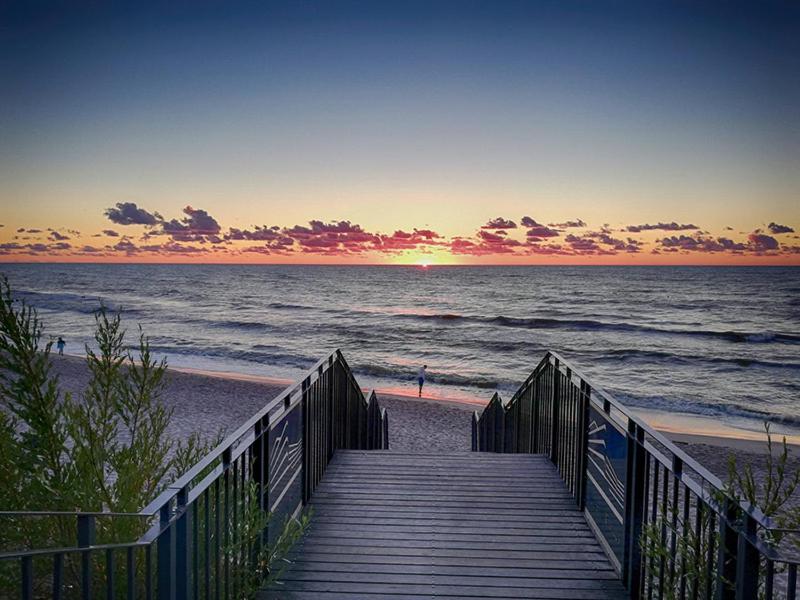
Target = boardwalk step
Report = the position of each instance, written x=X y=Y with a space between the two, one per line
x=467 y=525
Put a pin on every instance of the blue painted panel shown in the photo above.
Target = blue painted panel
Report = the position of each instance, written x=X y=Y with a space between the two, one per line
x=285 y=469
x=606 y=475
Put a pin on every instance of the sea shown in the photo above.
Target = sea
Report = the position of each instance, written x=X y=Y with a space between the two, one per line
x=720 y=342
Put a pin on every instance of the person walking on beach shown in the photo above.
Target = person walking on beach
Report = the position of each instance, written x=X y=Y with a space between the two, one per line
x=421 y=378
x=60 y=345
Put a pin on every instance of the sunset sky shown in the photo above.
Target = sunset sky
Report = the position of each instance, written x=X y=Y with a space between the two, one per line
x=411 y=132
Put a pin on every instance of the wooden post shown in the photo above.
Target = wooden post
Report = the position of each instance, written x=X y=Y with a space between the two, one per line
x=475 y=431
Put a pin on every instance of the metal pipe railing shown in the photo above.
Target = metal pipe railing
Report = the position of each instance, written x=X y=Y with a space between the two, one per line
x=207 y=533
x=670 y=527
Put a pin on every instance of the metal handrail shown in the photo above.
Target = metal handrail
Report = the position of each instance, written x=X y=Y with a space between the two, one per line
x=282 y=450
x=556 y=400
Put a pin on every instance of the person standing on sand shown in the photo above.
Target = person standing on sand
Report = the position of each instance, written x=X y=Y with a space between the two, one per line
x=60 y=345
x=421 y=378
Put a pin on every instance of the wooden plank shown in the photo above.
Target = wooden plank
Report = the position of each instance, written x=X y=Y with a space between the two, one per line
x=366 y=590
x=599 y=564
x=506 y=570
x=469 y=581
x=511 y=554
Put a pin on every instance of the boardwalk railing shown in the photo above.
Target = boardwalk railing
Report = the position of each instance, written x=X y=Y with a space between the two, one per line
x=670 y=527
x=206 y=535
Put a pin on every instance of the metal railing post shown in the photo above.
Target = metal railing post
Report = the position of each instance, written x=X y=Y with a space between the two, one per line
x=182 y=547
x=27 y=578
x=306 y=471
x=86 y=538
x=534 y=415
x=331 y=409
x=747 y=561
x=585 y=396
x=727 y=552
x=166 y=555
x=554 y=411
x=635 y=498
x=385 y=430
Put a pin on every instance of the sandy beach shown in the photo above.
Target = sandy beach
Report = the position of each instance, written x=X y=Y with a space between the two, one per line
x=208 y=403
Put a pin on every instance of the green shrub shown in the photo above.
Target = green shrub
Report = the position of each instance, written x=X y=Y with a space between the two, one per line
x=107 y=450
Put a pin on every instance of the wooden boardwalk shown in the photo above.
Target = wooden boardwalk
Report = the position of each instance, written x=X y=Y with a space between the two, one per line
x=468 y=525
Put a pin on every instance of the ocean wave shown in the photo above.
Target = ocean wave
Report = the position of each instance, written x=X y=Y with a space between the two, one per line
x=288 y=306
x=281 y=358
x=706 y=409
x=246 y=325
x=394 y=373
x=762 y=337
x=689 y=359
x=70 y=302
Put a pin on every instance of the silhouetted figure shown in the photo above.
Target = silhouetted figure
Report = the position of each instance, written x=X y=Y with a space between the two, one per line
x=421 y=378
x=60 y=345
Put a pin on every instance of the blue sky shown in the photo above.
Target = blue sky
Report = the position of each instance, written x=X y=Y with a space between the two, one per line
x=402 y=115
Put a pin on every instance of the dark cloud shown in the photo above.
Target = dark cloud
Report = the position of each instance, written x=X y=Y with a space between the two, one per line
x=336 y=237
x=701 y=244
x=542 y=231
x=487 y=243
x=193 y=227
x=177 y=248
x=762 y=242
x=110 y=233
x=546 y=249
x=536 y=230
x=583 y=245
x=10 y=247
x=57 y=236
x=259 y=233
x=126 y=246
x=568 y=224
x=777 y=229
x=464 y=246
x=127 y=213
x=404 y=240
x=492 y=238
x=529 y=222
x=661 y=227
x=500 y=223
x=629 y=244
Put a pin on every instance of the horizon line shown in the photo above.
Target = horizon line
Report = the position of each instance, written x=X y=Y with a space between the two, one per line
x=401 y=265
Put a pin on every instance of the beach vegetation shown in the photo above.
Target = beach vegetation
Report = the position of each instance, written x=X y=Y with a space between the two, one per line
x=775 y=493
x=679 y=545
x=107 y=449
